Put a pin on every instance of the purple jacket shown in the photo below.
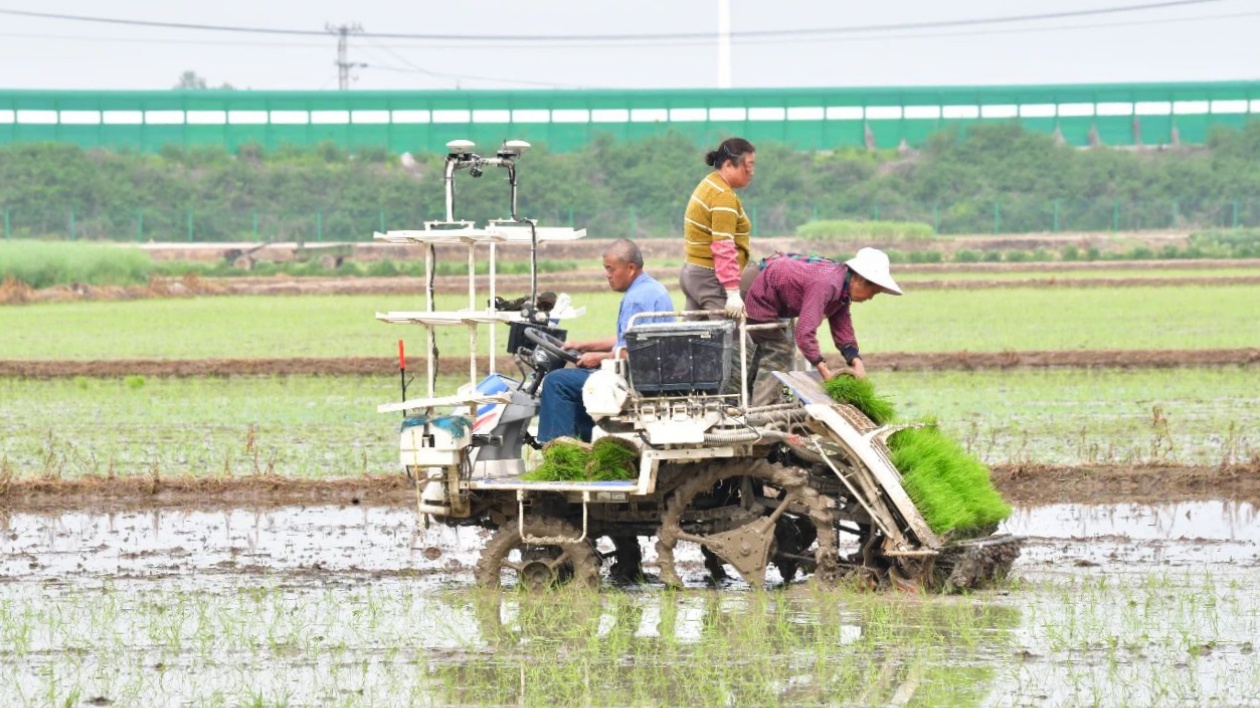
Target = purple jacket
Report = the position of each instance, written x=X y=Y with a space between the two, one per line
x=810 y=291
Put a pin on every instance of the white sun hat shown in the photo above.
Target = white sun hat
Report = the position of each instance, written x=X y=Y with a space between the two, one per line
x=872 y=264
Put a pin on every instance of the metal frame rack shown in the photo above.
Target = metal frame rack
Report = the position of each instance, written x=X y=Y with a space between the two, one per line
x=515 y=230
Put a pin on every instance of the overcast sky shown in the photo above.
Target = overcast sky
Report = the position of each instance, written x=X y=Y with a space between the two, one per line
x=1205 y=41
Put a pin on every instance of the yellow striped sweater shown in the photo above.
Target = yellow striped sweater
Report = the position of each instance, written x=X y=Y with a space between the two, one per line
x=714 y=213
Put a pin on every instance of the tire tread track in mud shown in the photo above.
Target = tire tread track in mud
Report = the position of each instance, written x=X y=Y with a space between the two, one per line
x=819 y=511
x=583 y=561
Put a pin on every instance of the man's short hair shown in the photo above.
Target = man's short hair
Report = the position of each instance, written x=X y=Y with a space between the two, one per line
x=626 y=251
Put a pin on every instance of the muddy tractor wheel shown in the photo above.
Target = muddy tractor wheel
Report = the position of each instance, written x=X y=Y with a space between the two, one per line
x=556 y=558
x=749 y=515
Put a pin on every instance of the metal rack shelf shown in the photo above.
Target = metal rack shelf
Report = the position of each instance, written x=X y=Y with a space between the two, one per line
x=463 y=317
x=443 y=401
x=492 y=234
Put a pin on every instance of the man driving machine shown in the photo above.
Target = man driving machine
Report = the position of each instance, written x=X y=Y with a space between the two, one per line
x=561 y=413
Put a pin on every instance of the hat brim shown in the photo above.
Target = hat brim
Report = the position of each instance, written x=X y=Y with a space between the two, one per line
x=881 y=277
x=887 y=285
x=883 y=281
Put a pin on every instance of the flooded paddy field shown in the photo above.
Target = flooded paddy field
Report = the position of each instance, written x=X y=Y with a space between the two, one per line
x=1112 y=604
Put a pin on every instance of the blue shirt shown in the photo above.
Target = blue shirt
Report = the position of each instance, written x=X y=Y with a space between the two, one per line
x=645 y=294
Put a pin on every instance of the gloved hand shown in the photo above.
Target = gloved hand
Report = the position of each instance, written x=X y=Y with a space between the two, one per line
x=734 y=304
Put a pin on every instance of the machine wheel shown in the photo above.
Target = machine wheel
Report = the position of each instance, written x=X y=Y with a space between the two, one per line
x=740 y=511
x=508 y=561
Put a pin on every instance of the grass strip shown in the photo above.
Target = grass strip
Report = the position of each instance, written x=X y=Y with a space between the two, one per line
x=842 y=228
x=41 y=264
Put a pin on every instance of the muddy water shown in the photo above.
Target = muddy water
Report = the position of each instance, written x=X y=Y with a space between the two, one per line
x=1119 y=604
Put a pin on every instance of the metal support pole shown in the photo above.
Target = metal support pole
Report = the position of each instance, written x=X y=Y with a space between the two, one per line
x=743 y=363
x=430 y=258
x=490 y=305
x=472 y=307
x=997 y=216
x=190 y=225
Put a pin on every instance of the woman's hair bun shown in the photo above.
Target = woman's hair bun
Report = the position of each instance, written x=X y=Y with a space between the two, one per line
x=711 y=158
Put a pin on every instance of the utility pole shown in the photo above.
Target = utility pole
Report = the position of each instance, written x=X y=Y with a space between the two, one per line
x=344 y=66
x=724 y=44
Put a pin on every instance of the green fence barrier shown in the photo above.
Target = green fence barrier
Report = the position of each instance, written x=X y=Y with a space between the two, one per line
x=806 y=118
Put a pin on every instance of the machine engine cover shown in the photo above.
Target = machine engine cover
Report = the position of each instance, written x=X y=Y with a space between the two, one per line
x=436 y=443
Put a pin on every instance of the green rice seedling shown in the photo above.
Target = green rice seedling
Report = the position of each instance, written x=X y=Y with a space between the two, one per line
x=951 y=488
x=860 y=393
x=612 y=458
x=564 y=459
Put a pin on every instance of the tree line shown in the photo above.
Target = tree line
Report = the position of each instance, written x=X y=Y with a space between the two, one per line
x=986 y=177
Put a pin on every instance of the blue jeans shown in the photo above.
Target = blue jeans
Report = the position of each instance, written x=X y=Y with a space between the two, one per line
x=561 y=413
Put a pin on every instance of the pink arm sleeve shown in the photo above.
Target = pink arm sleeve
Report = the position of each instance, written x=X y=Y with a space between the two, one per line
x=726 y=263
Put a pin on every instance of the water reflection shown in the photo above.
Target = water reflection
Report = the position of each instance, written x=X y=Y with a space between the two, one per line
x=1206 y=520
x=803 y=647
x=1132 y=537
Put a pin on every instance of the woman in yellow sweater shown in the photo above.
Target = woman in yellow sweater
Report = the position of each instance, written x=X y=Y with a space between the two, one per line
x=716 y=231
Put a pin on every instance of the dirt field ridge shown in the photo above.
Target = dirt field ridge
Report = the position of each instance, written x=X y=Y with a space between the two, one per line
x=380 y=366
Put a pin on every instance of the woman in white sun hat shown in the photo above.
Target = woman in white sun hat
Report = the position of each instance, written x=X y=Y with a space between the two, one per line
x=811 y=289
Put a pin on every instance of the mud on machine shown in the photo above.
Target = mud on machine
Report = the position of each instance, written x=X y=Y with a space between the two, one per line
x=765 y=491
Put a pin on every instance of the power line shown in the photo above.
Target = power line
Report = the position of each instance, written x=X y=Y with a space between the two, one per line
x=141 y=40
x=417 y=69
x=800 y=32
x=871 y=38
x=466 y=77
x=699 y=43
